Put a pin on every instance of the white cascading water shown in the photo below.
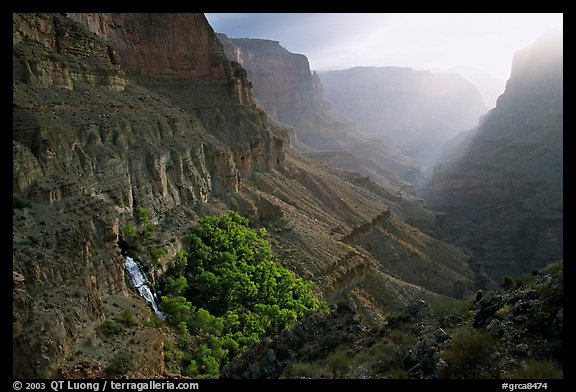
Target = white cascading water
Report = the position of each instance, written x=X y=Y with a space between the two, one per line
x=138 y=281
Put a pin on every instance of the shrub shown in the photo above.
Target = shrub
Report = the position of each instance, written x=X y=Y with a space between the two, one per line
x=469 y=355
x=449 y=308
x=302 y=370
x=554 y=268
x=337 y=362
x=19 y=201
x=157 y=253
x=142 y=216
x=129 y=233
x=401 y=337
x=122 y=363
x=111 y=327
x=388 y=354
x=126 y=318
x=535 y=369
x=507 y=282
x=397 y=373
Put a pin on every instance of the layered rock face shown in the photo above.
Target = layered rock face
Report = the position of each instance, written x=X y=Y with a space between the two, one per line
x=105 y=121
x=501 y=185
x=416 y=111
x=291 y=94
x=90 y=146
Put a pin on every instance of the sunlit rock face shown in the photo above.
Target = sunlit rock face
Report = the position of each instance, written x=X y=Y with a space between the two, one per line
x=501 y=184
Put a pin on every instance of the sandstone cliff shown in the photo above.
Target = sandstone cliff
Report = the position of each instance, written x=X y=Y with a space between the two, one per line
x=105 y=121
x=416 y=111
x=501 y=184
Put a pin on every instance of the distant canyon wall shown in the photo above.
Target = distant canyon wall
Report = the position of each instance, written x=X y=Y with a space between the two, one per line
x=286 y=88
x=501 y=184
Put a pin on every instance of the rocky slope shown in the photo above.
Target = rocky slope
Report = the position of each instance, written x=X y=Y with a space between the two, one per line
x=501 y=184
x=513 y=332
x=415 y=111
x=115 y=112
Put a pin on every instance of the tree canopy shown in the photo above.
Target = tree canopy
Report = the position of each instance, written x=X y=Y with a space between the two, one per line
x=229 y=290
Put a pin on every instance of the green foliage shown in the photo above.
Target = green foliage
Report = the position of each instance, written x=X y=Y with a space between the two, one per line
x=111 y=327
x=535 y=369
x=338 y=363
x=469 y=355
x=554 y=268
x=239 y=291
x=397 y=373
x=19 y=202
x=126 y=318
x=157 y=253
x=129 y=233
x=122 y=363
x=153 y=322
x=507 y=282
x=142 y=216
x=449 y=308
x=303 y=370
x=148 y=231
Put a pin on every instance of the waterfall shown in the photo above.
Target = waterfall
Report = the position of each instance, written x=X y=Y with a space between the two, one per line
x=138 y=280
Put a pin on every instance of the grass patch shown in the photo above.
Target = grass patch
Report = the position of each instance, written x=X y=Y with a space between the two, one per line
x=338 y=363
x=469 y=356
x=449 y=308
x=396 y=373
x=534 y=369
x=554 y=268
x=303 y=370
x=111 y=327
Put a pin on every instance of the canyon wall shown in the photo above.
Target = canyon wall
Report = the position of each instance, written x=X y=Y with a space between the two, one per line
x=501 y=184
x=286 y=88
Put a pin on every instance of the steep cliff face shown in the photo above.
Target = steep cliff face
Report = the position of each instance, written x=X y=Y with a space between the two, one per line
x=290 y=93
x=90 y=145
x=416 y=111
x=102 y=126
x=506 y=176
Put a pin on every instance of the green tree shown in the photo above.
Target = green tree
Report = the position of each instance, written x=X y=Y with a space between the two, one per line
x=240 y=291
x=142 y=216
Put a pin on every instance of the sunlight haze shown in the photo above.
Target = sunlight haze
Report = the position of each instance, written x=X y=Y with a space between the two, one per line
x=485 y=42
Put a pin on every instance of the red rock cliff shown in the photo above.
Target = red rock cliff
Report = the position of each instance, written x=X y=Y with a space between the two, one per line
x=176 y=45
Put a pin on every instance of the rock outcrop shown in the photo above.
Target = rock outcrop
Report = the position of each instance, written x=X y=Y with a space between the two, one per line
x=415 y=111
x=107 y=121
x=514 y=332
x=501 y=184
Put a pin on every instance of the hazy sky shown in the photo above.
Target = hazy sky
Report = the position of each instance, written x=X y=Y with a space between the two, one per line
x=486 y=42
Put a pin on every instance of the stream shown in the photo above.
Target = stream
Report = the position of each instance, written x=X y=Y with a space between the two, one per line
x=138 y=280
